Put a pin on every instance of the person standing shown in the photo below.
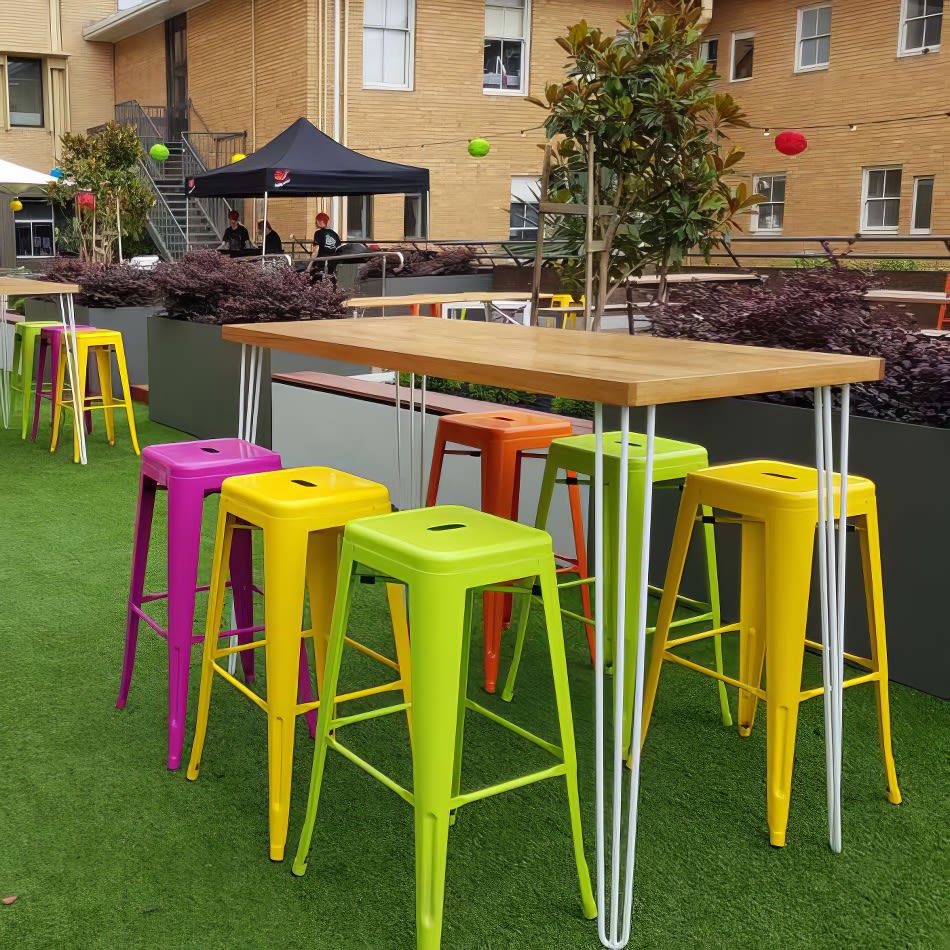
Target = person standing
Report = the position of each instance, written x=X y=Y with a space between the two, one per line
x=235 y=237
x=272 y=242
x=326 y=242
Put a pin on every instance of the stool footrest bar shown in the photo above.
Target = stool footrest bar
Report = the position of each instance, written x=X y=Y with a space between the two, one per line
x=382 y=777
x=555 y=750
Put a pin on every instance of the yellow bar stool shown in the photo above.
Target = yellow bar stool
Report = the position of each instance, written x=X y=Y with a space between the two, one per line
x=301 y=513
x=777 y=508
x=99 y=345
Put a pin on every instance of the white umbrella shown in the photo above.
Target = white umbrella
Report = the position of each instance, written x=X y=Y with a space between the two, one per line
x=17 y=180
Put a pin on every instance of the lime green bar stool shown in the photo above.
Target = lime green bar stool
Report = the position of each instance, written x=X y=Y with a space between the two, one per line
x=444 y=555
x=25 y=335
x=672 y=462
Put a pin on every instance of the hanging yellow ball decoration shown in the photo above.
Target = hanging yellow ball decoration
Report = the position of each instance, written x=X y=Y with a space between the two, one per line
x=238 y=157
x=16 y=205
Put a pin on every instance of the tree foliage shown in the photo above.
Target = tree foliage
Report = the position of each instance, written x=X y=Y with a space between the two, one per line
x=103 y=162
x=645 y=101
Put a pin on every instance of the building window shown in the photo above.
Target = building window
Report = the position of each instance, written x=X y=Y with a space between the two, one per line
x=709 y=52
x=415 y=222
x=506 y=41
x=881 y=200
x=769 y=214
x=388 y=44
x=25 y=87
x=923 y=202
x=34 y=229
x=814 y=38
x=359 y=217
x=523 y=214
x=920 y=26
x=743 y=48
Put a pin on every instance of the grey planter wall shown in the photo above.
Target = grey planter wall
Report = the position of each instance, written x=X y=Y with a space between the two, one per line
x=195 y=380
x=129 y=321
x=908 y=465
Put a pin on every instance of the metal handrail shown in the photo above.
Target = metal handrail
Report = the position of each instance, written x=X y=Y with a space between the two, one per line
x=171 y=229
x=213 y=210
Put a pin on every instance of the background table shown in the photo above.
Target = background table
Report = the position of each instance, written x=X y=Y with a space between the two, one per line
x=624 y=371
x=27 y=287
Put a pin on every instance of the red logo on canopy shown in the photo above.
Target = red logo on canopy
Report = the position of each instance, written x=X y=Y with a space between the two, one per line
x=281 y=177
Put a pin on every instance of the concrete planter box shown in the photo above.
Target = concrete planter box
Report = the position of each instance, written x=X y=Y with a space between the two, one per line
x=451 y=284
x=131 y=322
x=908 y=465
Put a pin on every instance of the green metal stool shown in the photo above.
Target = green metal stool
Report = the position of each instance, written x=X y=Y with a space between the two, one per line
x=672 y=462
x=444 y=555
x=25 y=335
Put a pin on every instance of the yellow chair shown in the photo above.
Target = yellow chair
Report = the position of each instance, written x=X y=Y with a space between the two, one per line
x=302 y=513
x=566 y=300
x=777 y=505
x=100 y=345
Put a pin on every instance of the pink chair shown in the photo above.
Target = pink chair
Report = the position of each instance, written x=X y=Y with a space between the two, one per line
x=189 y=472
x=51 y=339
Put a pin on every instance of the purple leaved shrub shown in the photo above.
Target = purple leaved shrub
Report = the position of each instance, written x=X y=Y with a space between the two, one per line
x=207 y=287
x=423 y=262
x=824 y=311
x=106 y=285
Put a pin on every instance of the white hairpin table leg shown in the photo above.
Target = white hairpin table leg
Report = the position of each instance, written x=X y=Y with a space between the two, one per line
x=614 y=932
x=68 y=315
x=249 y=393
x=6 y=365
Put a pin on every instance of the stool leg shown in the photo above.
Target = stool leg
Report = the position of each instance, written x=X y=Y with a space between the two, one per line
x=322 y=566
x=242 y=594
x=341 y=613
x=126 y=393
x=184 y=544
x=509 y=688
x=40 y=377
x=285 y=559
x=16 y=368
x=752 y=628
x=712 y=580
x=26 y=392
x=671 y=585
x=104 y=371
x=462 y=696
x=437 y=621
x=83 y=369
x=435 y=470
x=874 y=594
x=788 y=559
x=143 y=532
x=552 y=617
x=396 y=595
x=58 y=383
x=222 y=551
x=580 y=555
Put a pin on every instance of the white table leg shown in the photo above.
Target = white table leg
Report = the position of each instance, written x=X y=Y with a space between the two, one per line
x=615 y=934
x=6 y=365
x=249 y=394
x=68 y=315
x=831 y=571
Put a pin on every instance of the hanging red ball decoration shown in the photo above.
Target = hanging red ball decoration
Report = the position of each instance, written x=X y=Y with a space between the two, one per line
x=791 y=143
x=85 y=200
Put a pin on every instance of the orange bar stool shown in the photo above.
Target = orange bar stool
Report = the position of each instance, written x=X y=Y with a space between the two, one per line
x=942 y=317
x=301 y=513
x=501 y=439
x=99 y=345
x=777 y=507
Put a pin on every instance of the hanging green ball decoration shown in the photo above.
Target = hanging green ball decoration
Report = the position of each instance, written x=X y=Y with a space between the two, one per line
x=478 y=148
x=16 y=205
x=159 y=152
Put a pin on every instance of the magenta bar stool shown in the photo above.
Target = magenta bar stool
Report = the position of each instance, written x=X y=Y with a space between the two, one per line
x=189 y=472
x=51 y=338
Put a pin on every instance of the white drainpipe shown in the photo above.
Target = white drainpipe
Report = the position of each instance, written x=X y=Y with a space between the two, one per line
x=706 y=14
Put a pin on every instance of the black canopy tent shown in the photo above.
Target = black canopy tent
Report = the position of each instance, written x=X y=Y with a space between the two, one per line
x=304 y=162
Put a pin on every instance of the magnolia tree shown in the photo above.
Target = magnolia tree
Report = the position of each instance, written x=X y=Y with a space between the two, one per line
x=102 y=184
x=644 y=100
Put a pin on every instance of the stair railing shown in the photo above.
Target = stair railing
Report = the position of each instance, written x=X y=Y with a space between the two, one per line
x=162 y=225
x=213 y=210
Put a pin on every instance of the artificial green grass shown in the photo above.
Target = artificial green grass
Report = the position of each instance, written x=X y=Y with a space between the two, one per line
x=104 y=847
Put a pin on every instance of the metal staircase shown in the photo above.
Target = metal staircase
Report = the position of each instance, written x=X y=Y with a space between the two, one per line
x=178 y=223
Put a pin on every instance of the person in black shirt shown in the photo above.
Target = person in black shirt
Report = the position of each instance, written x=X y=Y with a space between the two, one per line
x=326 y=242
x=272 y=242
x=235 y=237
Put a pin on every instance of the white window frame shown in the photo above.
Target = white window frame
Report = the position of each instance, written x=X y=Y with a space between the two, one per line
x=902 y=30
x=799 y=39
x=421 y=201
x=754 y=224
x=365 y=232
x=526 y=191
x=7 y=117
x=740 y=35
x=865 y=228
x=410 y=66
x=703 y=48
x=51 y=221
x=525 y=56
x=913 y=209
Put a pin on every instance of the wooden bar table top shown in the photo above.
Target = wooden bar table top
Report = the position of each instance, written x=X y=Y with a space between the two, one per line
x=26 y=287
x=606 y=368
